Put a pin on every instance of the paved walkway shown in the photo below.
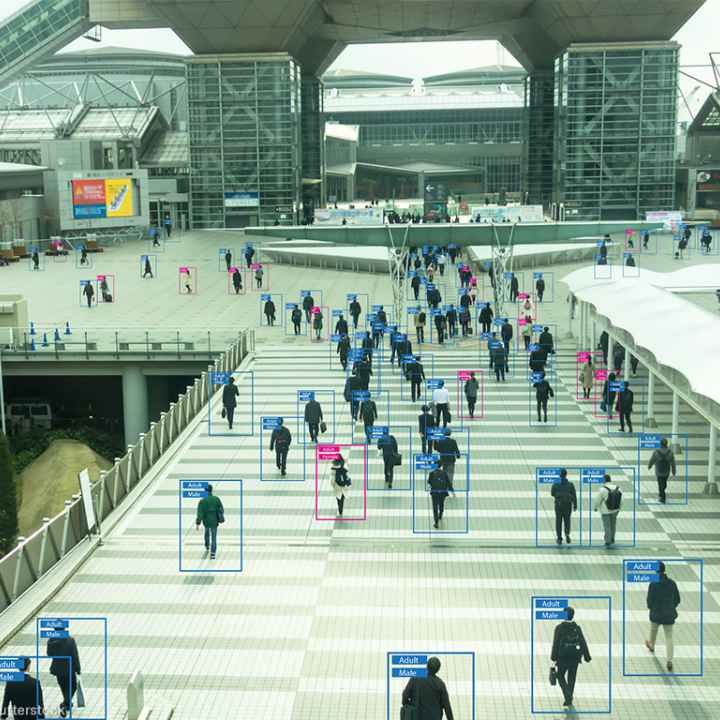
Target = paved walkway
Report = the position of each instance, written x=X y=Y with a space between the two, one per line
x=304 y=631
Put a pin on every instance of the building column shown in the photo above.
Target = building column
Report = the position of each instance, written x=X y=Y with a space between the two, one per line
x=421 y=186
x=626 y=362
x=711 y=486
x=611 y=348
x=570 y=318
x=676 y=446
x=650 y=421
x=135 y=404
x=593 y=333
x=540 y=131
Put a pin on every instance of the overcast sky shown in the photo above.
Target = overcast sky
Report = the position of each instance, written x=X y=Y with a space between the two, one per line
x=423 y=59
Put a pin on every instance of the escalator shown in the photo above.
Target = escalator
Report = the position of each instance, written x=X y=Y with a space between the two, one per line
x=38 y=30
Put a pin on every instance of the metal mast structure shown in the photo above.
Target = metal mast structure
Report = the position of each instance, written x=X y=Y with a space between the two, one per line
x=397 y=266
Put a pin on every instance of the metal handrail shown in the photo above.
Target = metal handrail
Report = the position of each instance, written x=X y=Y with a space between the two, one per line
x=35 y=555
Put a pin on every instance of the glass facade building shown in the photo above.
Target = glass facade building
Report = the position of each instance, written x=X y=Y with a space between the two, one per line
x=615 y=130
x=245 y=139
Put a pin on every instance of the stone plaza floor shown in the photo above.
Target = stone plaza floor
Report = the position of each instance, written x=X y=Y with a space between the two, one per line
x=304 y=631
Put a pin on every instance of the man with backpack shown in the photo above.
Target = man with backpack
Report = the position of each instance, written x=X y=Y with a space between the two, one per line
x=280 y=441
x=569 y=648
x=663 y=460
x=608 y=501
x=426 y=696
x=565 y=504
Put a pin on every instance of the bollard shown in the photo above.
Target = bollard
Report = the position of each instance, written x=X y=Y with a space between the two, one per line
x=57 y=335
x=44 y=341
x=32 y=345
x=67 y=328
x=32 y=328
x=135 y=696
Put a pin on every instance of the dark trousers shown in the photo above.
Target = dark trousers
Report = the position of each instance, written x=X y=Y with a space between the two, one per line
x=89 y=300
x=438 y=504
x=376 y=340
x=355 y=321
x=307 y=316
x=586 y=393
x=354 y=406
x=662 y=486
x=340 y=503
x=452 y=329
x=415 y=388
x=526 y=340
x=248 y=260
x=68 y=686
x=211 y=539
x=441 y=335
x=540 y=294
x=424 y=442
x=485 y=326
x=542 y=405
x=313 y=429
x=444 y=410
x=389 y=468
x=634 y=365
x=270 y=320
x=500 y=372
x=296 y=327
x=566 y=675
x=420 y=332
x=562 y=518
x=229 y=413
x=465 y=328
x=416 y=292
x=343 y=361
x=625 y=418
x=471 y=405
x=281 y=454
x=258 y=282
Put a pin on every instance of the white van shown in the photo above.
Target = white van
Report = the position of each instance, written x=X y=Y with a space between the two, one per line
x=27 y=415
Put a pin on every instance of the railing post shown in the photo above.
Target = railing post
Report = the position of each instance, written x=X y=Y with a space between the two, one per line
x=140 y=469
x=101 y=500
x=153 y=442
x=163 y=429
x=66 y=528
x=130 y=468
x=116 y=481
x=171 y=421
x=18 y=566
x=43 y=545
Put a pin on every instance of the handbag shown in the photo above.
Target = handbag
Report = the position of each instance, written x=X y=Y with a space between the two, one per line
x=396 y=459
x=223 y=413
x=553 y=675
x=221 y=517
x=408 y=712
x=80 y=696
x=323 y=427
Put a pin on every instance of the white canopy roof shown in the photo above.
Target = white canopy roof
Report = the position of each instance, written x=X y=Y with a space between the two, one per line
x=678 y=333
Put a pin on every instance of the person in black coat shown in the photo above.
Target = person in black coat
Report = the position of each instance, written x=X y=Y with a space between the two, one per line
x=449 y=453
x=546 y=341
x=237 y=281
x=415 y=285
x=426 y=420
x=538 y=360
x=506 y=332
x=428 y=695
x=65 y=671
x=543 y=392
x=625 y=406
x=440 y=326
x=313 y=418
x=352 y=385
x=416 y=373
x=343 y=348
x=663 y=598
x=228 y=259
x=439 y=487
x=486 y=316
x=363 y=370
x=540 y=288
x=369 y=414
x=565 y=504
x=147 y=268
x=569 y=648
x=308 y=304
x=229 y=402
x=608 y=396
x=389 y=447
x=355 y=311
x=280 y=441
x=341 y=326
x=269 y=310
x=296 y=318
x=604 y=345
x=452 y=321
x=514 y=287
x=24 y=698
x=249 y=255
x=368 y=345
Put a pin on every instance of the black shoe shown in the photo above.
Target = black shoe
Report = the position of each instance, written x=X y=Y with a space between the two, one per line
x=567 y=539
x=283 y=473
x=212 y=556
x=662 y=500
x=559 y=541
x=435 y=525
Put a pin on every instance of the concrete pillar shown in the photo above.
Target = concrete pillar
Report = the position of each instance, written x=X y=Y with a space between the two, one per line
x=611 y=348
x=570 y=318
x=626 y=363
x=421 y=185
x=650 y=421
x=676 y=446
x=581 y=331
x=711 y=486
x=135 y=404
x=593 y=332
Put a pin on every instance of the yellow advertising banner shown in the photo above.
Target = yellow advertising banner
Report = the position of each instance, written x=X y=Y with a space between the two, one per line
x=119 y=197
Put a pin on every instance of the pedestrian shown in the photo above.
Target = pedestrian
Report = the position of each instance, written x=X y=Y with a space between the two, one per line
x=618 y=358
x=625 y=406
x=343 y=348
x=259 y=272
x=24 y=698
x=527 y=308
x=416 y=372
x=353 y=384
x=228 y=259
x=237 y=281
x=341 y=326
x=486 y=317
x=608 y=501
x=308 y=304
x=538 y=359
x=89 y=292
x=440 y=326
x=543 y=392
x=65 y=668
x=634 y=362
x=645 y=238
x=465 y=299
x=420 y=320
x=526 y=332
x=603 y=345
x=439 y=487
x=387 y=444
x=471 y=393
x=355 y=312
x=451 y=318
x=514 y=287
x=367 y=346
x=540 y=288
x=497 y=357
x=318 y=325
x=36 y=260
x=449 y=452
x=188 y=286
x=428 y=695
x=313 y=418
x=415 y=285
x=569 y=648
x=546 y=341
x=211 y=513
x=84 y=256
x=663 y=460
x=426 y=421
x=565 y=498
x=630 y=260
x=603 y=251
x=441 y=401
x=369 y=414
x=155 y=235
x=249 y=255
x=441 y=263
x=147 y=270
x=363 y=369
x=229 y=402
x=587 y=378
x=340 y=481
x=280 y=441
x=168 y=225
x=269 y=310
x=105 y=291
x=663 y=598
x=296 y=318
x=506 y=332
x=607 y=404
x=465 y=322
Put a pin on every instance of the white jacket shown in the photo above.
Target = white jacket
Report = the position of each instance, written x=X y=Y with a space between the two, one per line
x=600 y=502
x=441 y=396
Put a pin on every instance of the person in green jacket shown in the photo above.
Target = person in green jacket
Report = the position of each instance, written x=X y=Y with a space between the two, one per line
x=211 y=513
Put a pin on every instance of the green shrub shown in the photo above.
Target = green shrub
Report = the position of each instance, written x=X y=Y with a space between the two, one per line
x=8 y=499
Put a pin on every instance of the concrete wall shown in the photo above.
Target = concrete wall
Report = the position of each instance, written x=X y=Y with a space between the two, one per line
x=23 y=217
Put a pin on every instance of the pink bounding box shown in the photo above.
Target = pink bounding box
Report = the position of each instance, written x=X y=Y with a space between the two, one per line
x=324 y=455
x=581 y=359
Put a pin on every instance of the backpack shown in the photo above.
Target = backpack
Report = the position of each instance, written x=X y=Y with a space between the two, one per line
x=614 y=499
x=342 y=478
x=570 y=645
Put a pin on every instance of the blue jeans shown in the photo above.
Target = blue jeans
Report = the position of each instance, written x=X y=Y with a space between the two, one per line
x=211 y=539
